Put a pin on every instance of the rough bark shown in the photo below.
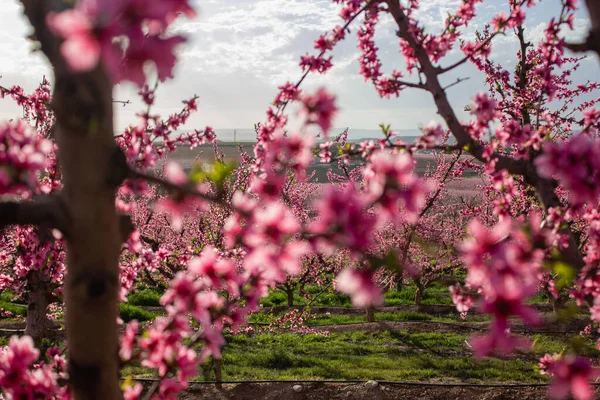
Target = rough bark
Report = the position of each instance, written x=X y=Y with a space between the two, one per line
x=399 y=284
x=558 y=304
x=37 y=323
x=370 y=314
x=218 y=373
x=419 y=294
x=91 y=170
x=290 y=296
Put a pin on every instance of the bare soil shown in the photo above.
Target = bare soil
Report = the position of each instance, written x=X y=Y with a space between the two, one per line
x=326 y=391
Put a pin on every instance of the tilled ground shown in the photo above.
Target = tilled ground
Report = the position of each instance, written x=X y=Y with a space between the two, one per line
x=323 y=391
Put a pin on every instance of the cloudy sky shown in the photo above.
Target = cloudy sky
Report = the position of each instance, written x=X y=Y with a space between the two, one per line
x=239 y=51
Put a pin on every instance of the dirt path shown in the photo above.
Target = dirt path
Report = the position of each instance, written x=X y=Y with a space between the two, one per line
x=326 y=391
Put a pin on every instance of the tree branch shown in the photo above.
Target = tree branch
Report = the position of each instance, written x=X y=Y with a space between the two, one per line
x=46 y=211
x=430 y=72
x=544 y=187
x=185 y=189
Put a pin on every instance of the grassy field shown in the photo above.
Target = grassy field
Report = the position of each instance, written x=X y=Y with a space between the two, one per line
x=400 y=346
x=380 y=355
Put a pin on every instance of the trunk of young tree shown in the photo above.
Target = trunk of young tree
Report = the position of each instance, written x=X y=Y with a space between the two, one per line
x=399 y=284
x=92 y=168
x=37 y=323
x=218 y=372
x=557 y=304
x=290 y=296
x=371 y=314
x=419 y=292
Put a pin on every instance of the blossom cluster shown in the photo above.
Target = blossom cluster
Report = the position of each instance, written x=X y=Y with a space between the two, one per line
x=89 y=31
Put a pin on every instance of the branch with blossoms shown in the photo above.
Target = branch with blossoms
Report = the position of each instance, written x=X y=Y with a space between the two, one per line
x=79 y=44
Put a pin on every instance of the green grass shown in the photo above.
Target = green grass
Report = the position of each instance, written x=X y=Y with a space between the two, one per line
x=437 y=293
x=431 y=295
x=332 y=319
x=8 y=303
x=13 y=308
x=145 y=297
x=383 y=355
x=129 y=312
x=345 y=319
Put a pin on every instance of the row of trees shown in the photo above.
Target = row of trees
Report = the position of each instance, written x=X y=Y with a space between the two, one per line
x=86 y=216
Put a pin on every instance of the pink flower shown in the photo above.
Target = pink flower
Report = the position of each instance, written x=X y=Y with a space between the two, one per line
x=315 y=63
x=359 y=285
x=80 y=48
x=433 y=134
x=547 y=363
x=133 y=392
x=128 y=340
x=23 y=153
x=463 y=301
x=343 y=219
x=575 y=163
x=211 y=267
x=392 y=182
x=175 y=173
x=287 y=92
x=500 y=342
x=483 y=108
x=571 y=376
x=181 y=292
x=320 y=109
x=272 y=223
x=143 y=49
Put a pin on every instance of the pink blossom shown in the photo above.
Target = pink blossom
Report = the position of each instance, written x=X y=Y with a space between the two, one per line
x=343 y=219
x=80 y=49
x=128 y=340
x=575 y=164
x=175 y=173
x=483 y=108
x=571 y=376
x=320 y=109
x=133 y=392
x=360 y=286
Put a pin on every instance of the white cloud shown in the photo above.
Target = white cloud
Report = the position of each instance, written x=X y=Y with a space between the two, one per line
x=240 y=51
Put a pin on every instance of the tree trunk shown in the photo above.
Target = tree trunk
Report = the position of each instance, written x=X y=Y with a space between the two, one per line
x=290 y=296
x=419 y=293
x=218 y=372
x=92 y=168
x=557 y=304
x=399 y=285
x=418 y=296
x=36 y=324
x=371 y=314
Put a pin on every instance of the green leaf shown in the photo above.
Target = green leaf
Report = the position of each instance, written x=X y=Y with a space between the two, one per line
x=385 y=129
x=128 y=382
x=566 y=274
x=218 y=172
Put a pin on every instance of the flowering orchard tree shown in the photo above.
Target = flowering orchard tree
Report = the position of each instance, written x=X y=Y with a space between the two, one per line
x=427 y=246
x=33 y=258
x=82 y=207
x=264 y=241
